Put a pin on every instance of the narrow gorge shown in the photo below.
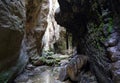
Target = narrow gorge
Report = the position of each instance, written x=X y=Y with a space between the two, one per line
x=59 y=41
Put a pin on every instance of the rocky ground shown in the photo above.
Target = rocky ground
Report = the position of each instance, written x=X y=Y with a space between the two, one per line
x=42 y=74
x=50 y=74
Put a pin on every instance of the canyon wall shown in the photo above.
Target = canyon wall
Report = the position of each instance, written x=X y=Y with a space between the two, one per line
x=95 y=30
x=13 y=56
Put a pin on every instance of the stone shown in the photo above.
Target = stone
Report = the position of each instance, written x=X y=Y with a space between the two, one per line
x=41 y=74
x=36 y=24
x=83 y=18
x=115 y=69
x=116 y=65
x=22 y=78
x=63 y=73
x=116 y=76
x=71 y=70
x=118 y=46
x=30 y=67
x=115 y=56
x=112 y=42
x=53 y=29
x=113 y=53
x=13 y=56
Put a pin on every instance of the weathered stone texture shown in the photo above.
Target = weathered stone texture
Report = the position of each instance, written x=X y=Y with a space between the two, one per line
x=12 y=22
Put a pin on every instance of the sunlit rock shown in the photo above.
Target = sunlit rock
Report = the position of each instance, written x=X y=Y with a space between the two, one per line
x=36 y=24
x=53 y=29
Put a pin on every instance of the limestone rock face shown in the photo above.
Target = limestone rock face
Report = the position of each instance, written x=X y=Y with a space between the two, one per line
x=55 y=35
x=53 y=29
x=114 y=55
x=37 y=11
x=12 y=57
x=91 y=24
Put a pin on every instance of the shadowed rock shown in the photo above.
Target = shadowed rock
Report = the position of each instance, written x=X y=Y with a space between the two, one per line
x=92 y=23
x=73 y=68
x=12 y=50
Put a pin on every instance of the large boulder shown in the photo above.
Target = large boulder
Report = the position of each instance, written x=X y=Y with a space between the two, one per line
x=12 y=57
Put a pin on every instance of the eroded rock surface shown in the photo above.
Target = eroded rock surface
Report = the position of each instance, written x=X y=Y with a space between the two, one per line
x=42 y=74
x=36 y=24
x=12 y=52
x=114 y=55
x=91 y=24
x=52 y=29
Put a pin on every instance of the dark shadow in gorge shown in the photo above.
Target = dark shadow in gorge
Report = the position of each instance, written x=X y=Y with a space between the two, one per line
x=91 y=23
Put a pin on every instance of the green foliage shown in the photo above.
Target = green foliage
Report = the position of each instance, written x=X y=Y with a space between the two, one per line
x=94 y=6
x=48 y=58
x=48 y=61
x=95 y=35
x=47 y=53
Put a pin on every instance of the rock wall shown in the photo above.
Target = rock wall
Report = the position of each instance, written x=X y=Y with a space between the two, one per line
x=22 y=26
x=113 y=43
x=12 y=23
x=53 y=29
x=92 y=23
x=55 y=36
x=36 y=24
